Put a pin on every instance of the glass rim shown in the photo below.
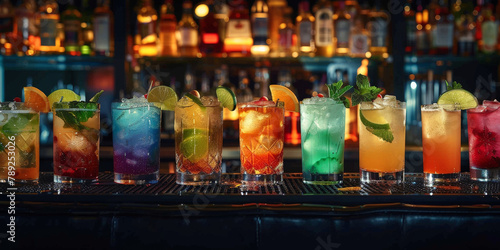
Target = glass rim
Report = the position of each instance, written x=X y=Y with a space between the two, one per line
x=249 y=105
x=323 y=104
x=115 y=105
x=447 y=107
x=20 y=107
x=401 y=105
x=55 y=104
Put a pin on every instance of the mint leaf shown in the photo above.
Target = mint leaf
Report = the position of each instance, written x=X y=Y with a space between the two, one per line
x=73 y=119
x=96 y=97
x=364 y=92
x=336 y=92
x=454 y=85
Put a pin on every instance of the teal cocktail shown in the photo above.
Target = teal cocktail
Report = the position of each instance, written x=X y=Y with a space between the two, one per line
x=323 y=129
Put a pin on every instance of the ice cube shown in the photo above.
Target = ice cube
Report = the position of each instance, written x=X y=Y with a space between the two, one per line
x=185 y=102
x=253 y=122
x=491 y=105
x=390 y=101
x=209 y=101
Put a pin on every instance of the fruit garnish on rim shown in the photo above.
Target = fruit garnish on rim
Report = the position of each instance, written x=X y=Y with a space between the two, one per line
x=164 y=95
x=374 y=122
x=36 y=99
x=455 y=94
x=226 y=97
x=285 y=95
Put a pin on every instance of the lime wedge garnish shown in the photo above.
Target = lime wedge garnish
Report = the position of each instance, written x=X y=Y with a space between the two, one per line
x=66 y=95
x=381 y=130
x=195 y=147
x=195 y=100
x=226 y=97
x=461 y=96
x=164 y=95
x=188 y=132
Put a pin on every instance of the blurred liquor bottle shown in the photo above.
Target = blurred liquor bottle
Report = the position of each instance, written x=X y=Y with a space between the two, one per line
x=238 y=41
x=168 y=25
x=260 y=14
x=48 y=12
x=489 y=29
x=342 y=29
x=104 y=40
x=442 y=30
x=222 y=16
x=465 y=30
x=187 y=32
x=86 y=47
x=276 y=11
x=6 y=27
x=71 y=19
x=26 y=29
x=210 y=42
x=146 y=37
x=323 y=28
x=377 y=27
x=287 y=35
x=305 y=30
x=359 y=39
x=411 y=27
x=422 y=35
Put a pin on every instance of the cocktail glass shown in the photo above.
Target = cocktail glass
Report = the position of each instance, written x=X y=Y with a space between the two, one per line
x=76 y=142
x=484 y=137
x=19 y=143
x=323 y=129
x=261 y=143
x=198 y=141
x=381 y=160
x=441 y=143
x=136 y=141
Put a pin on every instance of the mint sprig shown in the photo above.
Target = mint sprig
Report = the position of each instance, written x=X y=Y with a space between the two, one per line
x=73 y=119
x=364 y=92
x=454 y=85
x=337 y=92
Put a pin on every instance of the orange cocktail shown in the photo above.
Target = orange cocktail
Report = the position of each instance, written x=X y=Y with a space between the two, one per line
x=441 y=142
x=261 y=142
x=382 y=140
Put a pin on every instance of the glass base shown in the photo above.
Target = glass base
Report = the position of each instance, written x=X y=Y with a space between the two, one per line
x=197 y=179
x=66 y=179
x=323 y=179
x=254 y=181
x=484 y=174
x=382 y=177
x=435 y=179
x=137 y=179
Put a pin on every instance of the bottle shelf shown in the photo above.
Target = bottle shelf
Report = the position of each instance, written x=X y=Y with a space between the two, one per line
x=421 y=63
x=309 y=63
x=54 y=62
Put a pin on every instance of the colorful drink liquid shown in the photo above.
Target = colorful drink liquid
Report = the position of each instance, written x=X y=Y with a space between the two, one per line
x=136 y=141
x=261 y=142
x=441 y=143
x=19 y=143
x=484 y=137
x=379 y=159
x=76 y=141
x=323 y=129
x=198 y=141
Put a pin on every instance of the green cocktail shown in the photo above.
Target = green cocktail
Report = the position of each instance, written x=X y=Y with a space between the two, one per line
x=322 y=128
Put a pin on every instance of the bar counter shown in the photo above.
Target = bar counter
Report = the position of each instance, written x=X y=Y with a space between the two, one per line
x=292 y=215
